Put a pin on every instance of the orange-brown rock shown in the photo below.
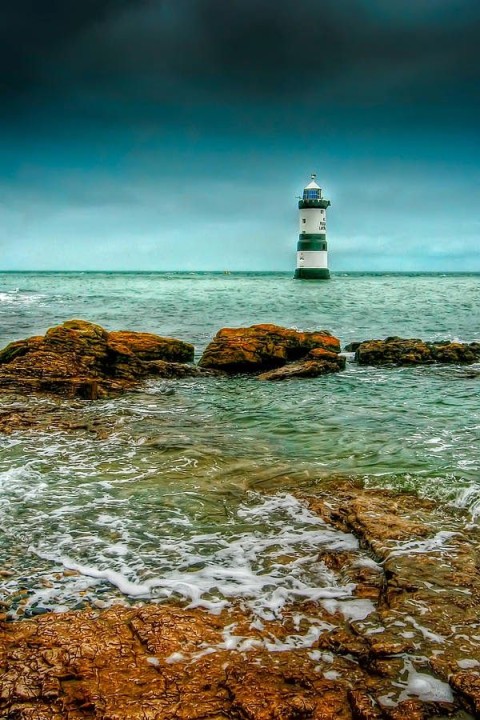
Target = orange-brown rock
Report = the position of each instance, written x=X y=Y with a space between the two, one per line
x=467 y=683
x=362 y=706
x=262 y=347
x=317 y=362
x=147 y=346
x=455 y=352
x=81 y=359
x=400 y=351
x=89 y=666
x=429 y=603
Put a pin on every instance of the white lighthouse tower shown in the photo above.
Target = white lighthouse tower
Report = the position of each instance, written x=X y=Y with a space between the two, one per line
x=312 y=261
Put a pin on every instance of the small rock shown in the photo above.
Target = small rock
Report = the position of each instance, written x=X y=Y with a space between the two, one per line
x=36 y=611
x=100 y=604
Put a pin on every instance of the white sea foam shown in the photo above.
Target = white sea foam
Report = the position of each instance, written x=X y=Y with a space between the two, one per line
x=14 y=478
x=427 y=634
x=367 y=562
x=240 y=643
x=265 y=566
x=468 y=663
x=418 y=685
x=175 y=658
x=153 y=661
x=351 y=609
x=439 y=542
x=281 y=502
x=15 y=297
x=387 y=700
x=374 y=630
x=331 y=675
x=469 y=499
x=425 y=687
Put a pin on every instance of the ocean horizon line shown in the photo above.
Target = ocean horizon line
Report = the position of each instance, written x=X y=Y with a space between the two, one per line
x=236 y=272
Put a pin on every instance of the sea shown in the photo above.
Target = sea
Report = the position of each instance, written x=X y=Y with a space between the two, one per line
x=192 y=494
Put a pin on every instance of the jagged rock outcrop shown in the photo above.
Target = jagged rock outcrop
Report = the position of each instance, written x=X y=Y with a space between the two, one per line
x=400 y=351
x=81 y=359
x=260 y=348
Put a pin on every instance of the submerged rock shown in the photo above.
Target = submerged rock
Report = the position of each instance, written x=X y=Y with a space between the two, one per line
x=54 y=416
x=81 y=359
x=262 y=347
x=400 y=351
x=317 y=362
x=352 y=347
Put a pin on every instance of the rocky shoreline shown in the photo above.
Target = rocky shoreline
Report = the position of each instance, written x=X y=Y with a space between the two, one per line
x=405 y=645
x=80 y=359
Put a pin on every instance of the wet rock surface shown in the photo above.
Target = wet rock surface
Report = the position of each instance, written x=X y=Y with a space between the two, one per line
x=404 y=645
x=400 y=351
x=317 y=362
x=260 y=348
x=82 y=360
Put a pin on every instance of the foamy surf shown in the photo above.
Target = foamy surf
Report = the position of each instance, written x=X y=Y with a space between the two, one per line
x=265 y=567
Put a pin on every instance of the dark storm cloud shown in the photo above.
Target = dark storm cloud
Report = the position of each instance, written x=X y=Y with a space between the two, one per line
x=148 y=53
x=33 y=32
x=311 y=46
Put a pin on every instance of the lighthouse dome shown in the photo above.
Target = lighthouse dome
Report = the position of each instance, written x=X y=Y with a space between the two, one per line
x=312 y=191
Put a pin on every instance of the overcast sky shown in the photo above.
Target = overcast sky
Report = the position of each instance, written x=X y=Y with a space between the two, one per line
x=176 y=134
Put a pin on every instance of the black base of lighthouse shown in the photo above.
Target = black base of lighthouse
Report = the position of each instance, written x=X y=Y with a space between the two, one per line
x=312 y=274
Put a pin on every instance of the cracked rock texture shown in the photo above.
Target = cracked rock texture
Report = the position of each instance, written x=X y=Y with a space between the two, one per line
x=412 y=654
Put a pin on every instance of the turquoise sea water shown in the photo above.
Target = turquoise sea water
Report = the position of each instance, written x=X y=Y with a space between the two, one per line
x=170 y=504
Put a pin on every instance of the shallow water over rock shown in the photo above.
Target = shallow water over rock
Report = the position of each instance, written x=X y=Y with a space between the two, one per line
x=389 y=628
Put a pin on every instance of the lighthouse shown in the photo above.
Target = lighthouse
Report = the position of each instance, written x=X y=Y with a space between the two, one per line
x=312 y=262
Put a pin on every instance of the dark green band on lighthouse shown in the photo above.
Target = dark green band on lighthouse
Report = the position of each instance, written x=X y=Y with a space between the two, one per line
x=311 y=245
x=312 y=274
x=312 y=236
x=319 y=203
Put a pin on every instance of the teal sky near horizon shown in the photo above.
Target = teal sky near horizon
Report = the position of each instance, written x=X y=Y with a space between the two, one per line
x=161 y=135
